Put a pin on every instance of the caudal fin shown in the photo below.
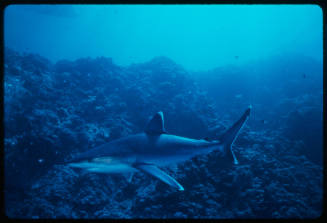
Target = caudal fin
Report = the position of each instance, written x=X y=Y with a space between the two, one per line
x=230 y=135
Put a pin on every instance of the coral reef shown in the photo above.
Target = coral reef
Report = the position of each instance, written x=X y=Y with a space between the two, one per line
x=53 y=111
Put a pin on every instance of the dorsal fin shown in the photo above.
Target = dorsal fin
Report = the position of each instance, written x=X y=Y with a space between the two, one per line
x=156 y=124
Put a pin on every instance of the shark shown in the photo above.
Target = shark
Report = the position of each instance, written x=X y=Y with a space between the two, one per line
x=154 y=148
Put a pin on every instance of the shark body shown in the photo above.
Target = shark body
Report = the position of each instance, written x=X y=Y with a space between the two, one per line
x=149 y=150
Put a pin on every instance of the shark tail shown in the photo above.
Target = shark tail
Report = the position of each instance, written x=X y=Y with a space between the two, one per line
x=231 y=134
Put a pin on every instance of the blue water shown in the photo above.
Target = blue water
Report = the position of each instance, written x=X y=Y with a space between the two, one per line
x=199 y=37
x=78 y=76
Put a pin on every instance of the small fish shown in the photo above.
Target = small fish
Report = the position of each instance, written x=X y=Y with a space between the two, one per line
x=304 y=75
x=236 y=57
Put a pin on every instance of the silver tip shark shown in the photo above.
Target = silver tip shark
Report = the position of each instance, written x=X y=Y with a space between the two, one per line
x=154 y=147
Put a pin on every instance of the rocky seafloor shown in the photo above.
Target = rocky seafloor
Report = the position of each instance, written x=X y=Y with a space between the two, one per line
x=55 y=110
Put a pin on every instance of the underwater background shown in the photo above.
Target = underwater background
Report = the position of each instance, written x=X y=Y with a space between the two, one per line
x=78 y=76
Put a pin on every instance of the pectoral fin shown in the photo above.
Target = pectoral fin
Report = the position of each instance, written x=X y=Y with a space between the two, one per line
x=156 y=172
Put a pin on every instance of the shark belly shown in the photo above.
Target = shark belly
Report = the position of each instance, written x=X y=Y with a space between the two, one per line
x=166 y=161
x=104 y=166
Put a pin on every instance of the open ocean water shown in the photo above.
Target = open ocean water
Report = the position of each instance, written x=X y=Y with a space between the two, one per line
x=79 y=76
